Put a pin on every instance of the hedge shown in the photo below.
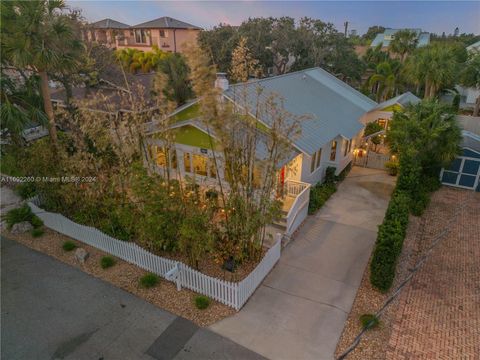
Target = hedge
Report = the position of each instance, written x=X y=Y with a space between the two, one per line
x=319 y=194
x=388 y=246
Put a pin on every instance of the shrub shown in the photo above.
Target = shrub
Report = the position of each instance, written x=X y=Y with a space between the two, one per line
x=202 y=302
x=36 y=221
x=18 y=215
x=330 y=175
x=26 y=190
x=107 y=261
x=149 y=280
x=211 y=194
x=343 y=174
x=69 y=245
x=392 y=167
x=37 y=232
x=319 y=194
x=420 y=202
x=369 y=321
x=388 y=246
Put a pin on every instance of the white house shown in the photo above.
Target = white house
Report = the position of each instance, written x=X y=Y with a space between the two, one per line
x=327 y=138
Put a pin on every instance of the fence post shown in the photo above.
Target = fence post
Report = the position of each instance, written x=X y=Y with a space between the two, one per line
x=178 y=279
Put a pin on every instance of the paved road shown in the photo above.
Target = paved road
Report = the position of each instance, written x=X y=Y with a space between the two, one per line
x=53 y=311
x=300 y=309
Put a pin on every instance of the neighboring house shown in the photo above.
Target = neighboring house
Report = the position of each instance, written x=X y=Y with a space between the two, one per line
x=464 y=172
x=105 y=32
x=110 y=97
x=166 y=33
x=469 y=95
x=388 y=35
x=328 y=137
x=474 y=48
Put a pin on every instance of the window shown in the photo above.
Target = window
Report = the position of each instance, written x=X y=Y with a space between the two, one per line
x=333 y=151
x=346 y=150
x=162 y=33
x=140 y=36
x=382 y=123
x=312 y=164
x=186 y=162
x=317 y=156
x=200 y=164
x=213 y=170
x=173 y=159
x=350 y=145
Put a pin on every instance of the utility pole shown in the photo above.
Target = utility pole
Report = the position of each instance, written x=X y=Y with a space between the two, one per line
x=346 y=28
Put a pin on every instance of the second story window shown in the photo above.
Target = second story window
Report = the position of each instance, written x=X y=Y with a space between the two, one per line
x=140 y=36
x=333 y=151
x=162 y=33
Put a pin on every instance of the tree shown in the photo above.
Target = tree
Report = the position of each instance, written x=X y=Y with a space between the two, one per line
x=427 y=133
x=375 y=56
x=251 y=180
x=178 y=87
x=404 y=43
x=434 y=66
x=243 y=63
x=218 y=43
x=21 y=104
x=470 y=77
x=34 y=34
x=385 y=80
x=372 y=32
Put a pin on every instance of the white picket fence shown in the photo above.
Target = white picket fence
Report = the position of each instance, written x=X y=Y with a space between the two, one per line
x=234 y=294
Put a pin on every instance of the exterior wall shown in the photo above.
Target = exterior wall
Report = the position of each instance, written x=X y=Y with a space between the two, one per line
x=375 y=115
x=180 y=172
x=341 y=160
x=174 y=40
x=102 y=36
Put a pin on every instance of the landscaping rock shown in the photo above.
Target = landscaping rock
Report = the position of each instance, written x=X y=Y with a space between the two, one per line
x=21 y=227
x=81 y=255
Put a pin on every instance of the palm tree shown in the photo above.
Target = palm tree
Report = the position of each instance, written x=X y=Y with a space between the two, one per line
x=435 y=66
x=21 y=105
x=33 y=35
x=404 y=43
x=384 y=81
x=470 y=77
x=430 y=130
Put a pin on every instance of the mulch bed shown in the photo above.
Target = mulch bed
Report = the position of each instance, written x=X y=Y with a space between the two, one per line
x=126 y=276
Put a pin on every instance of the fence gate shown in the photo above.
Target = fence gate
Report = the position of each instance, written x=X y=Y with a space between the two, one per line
x=372 y=160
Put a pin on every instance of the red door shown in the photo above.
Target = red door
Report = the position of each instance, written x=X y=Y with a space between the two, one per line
x=281 y=182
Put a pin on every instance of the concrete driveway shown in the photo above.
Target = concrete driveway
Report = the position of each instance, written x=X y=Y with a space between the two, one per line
x=300 y=309
x=53 y=311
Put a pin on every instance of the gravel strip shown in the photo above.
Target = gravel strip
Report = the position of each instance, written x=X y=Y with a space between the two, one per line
x=126 y=276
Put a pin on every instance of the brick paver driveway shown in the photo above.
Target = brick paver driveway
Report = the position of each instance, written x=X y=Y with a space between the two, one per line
x=300 y=309
x=439 y=311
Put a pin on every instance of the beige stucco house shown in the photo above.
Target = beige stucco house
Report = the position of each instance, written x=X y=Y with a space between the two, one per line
x=168 y=34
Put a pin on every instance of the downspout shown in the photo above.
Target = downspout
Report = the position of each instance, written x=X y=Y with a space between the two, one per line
x=174 y=41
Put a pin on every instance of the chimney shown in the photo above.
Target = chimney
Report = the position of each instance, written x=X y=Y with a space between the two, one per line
x=221 y=81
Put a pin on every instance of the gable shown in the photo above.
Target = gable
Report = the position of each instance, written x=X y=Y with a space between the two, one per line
x=192 y=136
x=392 y=108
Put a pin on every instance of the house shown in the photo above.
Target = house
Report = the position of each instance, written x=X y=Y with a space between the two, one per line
x=167 y=33
x=327 y=138
x=388 y=35
x=104 y=32
x=383 y=112
x=470 y=95
x=464 y=171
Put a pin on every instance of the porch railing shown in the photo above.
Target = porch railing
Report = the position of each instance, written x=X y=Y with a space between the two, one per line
x=299 y=209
